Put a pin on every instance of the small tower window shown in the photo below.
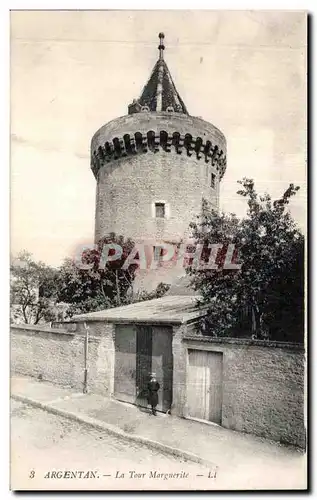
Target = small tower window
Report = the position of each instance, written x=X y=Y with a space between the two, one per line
x=170 y=109
x=213 y=181
x=160 y=210
x=157 y=253
x=145 y=109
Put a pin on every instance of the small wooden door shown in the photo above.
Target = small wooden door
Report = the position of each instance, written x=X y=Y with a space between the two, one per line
x=204 y=385
x=125 y=363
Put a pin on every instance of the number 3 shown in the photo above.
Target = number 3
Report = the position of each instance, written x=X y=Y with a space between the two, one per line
x=32 y=474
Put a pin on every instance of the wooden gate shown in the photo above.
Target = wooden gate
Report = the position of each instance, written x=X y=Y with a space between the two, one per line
x=204 y=385
x=138 y=351
x=143 y=362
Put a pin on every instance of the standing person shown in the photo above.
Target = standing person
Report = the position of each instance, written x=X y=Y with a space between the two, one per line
x=153 y=387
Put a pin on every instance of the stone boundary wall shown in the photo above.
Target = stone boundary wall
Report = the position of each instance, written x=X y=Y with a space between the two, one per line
x=248 y=341
x=263 y=382
x=57 y=355
x=263 y=388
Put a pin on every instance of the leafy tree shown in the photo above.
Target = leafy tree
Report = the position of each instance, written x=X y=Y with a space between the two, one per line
x=32 y=291
x=265 y=298
x=160 y=291
x=99 y=286
x=40 y=293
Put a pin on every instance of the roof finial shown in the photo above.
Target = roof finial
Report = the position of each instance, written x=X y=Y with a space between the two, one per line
x=161 y=47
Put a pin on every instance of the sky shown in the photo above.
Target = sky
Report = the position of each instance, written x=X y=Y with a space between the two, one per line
x=73 y=71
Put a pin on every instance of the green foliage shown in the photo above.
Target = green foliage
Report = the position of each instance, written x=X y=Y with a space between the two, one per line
x=265 y=298
x=42 y=294
x=160 y=291
x=32 y=291
x=94 y=289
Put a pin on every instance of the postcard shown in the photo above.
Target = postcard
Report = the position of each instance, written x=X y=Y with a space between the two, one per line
x=158 y=243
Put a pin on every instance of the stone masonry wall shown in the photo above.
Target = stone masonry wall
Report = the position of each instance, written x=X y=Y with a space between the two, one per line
x=179 y=371
x=128 y=188
x=52 y=354
x=263 y=382
x=263 y=385
x=57 y=355
x=101 y=357
x=127 y=191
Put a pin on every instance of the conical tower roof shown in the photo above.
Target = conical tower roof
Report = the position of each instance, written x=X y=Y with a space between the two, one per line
x=159 y=94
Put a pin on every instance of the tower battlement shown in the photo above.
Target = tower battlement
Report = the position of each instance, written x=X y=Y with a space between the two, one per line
x=131 y=135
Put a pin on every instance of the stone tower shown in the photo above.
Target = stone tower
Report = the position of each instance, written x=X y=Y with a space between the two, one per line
x=153 y=166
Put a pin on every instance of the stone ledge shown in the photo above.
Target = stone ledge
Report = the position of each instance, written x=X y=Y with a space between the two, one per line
x=36 y=329
x=64 y=325
x=241 y=341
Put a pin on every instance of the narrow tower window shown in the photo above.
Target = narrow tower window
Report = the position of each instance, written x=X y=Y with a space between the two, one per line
x=157 y=253
x=213 y=181
x=160 y=210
